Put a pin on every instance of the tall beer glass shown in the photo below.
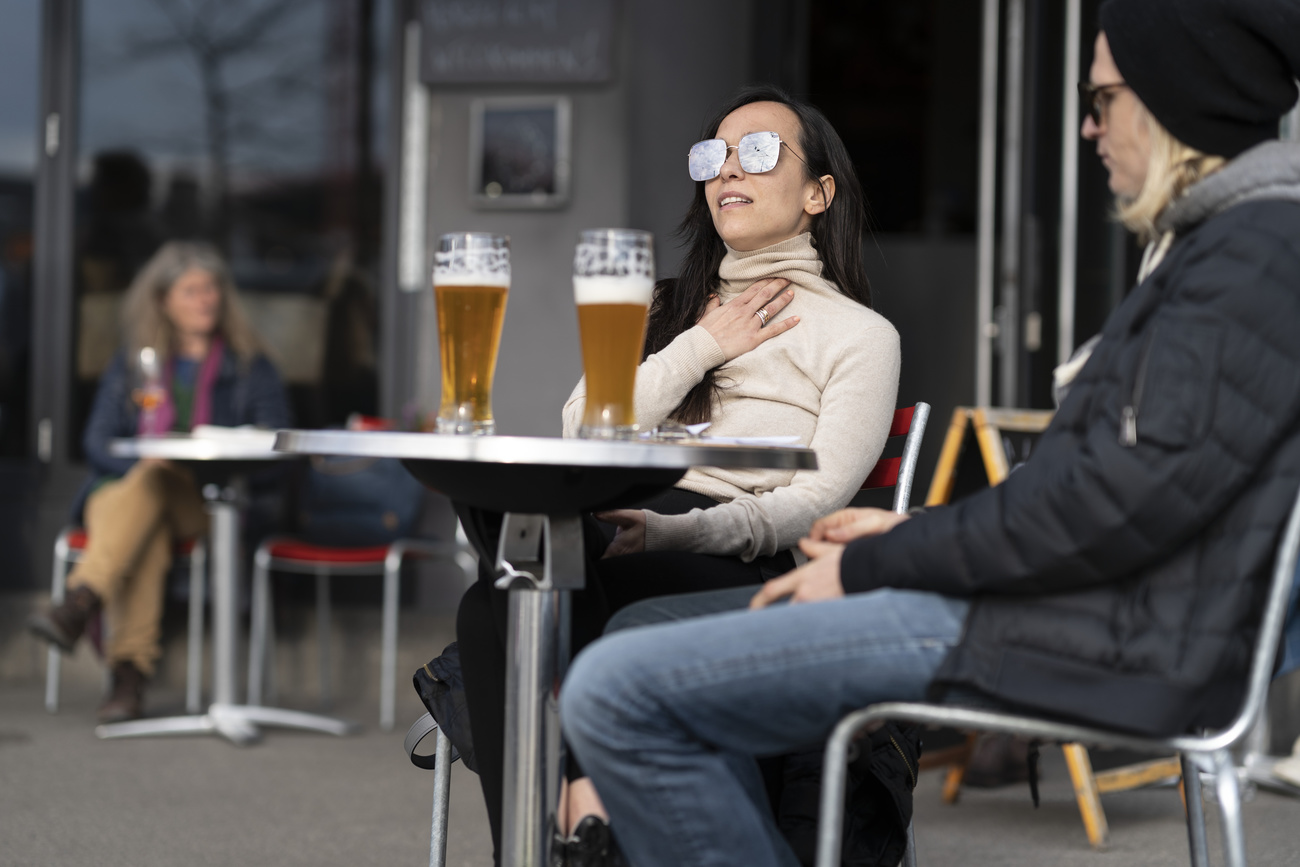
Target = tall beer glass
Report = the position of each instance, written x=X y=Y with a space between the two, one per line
x=471 y=277
x=613 y=279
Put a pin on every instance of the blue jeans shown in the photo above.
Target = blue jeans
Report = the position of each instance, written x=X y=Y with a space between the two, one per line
x=667 y=719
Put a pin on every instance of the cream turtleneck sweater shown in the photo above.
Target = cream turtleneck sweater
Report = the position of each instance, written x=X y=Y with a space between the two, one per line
x=832 y=381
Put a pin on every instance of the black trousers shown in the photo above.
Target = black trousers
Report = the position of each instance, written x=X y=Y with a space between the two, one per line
x=610 y=585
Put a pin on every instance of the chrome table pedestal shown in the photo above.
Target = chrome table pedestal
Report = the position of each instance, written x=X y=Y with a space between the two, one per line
x=237 y=723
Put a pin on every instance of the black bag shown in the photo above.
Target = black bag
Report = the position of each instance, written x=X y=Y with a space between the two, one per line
x=878 y=798
x=442 y=689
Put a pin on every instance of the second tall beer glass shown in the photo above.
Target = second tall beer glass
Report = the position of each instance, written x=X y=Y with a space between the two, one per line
x=613 y=279
x=471 y=277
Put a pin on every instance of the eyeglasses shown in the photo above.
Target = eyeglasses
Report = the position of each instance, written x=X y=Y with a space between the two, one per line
x=1096 y=97
x=758 y=153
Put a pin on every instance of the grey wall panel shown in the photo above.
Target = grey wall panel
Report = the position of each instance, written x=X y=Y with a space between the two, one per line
x=539 y=361
x=683 y=59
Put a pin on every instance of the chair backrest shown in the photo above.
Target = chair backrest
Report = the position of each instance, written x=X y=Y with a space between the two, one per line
x=1270 y=634
x=899 y=472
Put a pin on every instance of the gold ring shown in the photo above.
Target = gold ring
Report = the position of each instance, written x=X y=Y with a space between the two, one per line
x=761 y=313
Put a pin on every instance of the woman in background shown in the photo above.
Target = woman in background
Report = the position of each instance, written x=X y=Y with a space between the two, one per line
x=766 y=331
x=191 y=358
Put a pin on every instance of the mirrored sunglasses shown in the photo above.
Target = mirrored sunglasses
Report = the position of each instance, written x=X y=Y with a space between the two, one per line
x=758 y=153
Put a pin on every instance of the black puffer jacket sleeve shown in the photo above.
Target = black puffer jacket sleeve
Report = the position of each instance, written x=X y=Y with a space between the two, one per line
x=1207 y=354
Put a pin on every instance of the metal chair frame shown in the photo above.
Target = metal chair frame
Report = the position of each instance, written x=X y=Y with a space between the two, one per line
x=901 y=471
x=262 y=637
x=1209 y=753
x=65 y=555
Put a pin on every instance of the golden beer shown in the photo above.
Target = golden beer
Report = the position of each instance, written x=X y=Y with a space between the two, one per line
x=469 y=334
x=471 y=279
x=611 y=323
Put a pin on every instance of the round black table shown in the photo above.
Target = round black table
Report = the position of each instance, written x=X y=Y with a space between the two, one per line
x=543 y=485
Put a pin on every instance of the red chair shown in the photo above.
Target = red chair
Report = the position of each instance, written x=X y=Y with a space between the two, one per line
x=323 y=561
x=899 y=472
x=69 y=547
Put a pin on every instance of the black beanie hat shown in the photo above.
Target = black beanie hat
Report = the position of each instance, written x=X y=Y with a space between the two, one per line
x=1218 y=74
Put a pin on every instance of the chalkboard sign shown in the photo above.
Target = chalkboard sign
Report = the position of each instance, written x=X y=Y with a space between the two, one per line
x=516 y=41
x=982 y=447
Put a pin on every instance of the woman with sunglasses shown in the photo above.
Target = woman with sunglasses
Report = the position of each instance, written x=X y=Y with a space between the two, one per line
x=767 y=331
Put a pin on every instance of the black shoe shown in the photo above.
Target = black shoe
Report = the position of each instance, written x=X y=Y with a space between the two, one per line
x=66 y=622
x=126 y=699
x=589 y=844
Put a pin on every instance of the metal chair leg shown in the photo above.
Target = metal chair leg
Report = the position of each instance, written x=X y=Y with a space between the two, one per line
x=259 y=617
x=388 y=649
x=830 y=820
x=54 y=658
x=441 y=801
x=1226 y=783
x=194 y=654
x=909 y=854
x=323 y=634
x=1196 y=843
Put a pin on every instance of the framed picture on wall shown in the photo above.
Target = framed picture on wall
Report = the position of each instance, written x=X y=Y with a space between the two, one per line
x=519 y=152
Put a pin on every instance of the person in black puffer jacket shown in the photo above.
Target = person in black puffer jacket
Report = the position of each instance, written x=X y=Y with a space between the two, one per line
x=1118 y=576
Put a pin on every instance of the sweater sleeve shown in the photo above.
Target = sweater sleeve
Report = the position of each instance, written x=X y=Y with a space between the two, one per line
x=1220 y=389
x=857 y=408
x=662 y=380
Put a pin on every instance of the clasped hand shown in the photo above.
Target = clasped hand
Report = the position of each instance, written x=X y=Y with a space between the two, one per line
x=819 y=578
x=736 y=325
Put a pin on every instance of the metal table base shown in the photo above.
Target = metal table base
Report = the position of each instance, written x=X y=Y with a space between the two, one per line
x=236 y=723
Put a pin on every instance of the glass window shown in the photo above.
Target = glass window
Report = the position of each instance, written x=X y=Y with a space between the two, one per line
x=20 y=40
x=249 y=125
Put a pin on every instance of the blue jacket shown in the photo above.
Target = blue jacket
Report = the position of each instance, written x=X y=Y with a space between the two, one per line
x=244 y=393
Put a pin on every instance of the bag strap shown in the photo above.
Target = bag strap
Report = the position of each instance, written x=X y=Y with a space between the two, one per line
x=418 y=731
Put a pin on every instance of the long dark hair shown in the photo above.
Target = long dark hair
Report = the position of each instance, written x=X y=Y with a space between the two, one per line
x=679 y=302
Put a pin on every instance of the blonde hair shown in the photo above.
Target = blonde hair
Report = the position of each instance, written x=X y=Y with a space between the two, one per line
x=145 y=321
x=1172 y=168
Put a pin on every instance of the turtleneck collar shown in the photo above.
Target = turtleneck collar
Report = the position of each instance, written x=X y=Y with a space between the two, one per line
x=794 y=259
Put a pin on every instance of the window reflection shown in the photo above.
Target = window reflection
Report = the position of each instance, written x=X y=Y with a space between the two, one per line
x=247 y=123
x=19 y=110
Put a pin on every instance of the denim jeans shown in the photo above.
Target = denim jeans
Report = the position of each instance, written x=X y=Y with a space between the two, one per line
x=668 y=719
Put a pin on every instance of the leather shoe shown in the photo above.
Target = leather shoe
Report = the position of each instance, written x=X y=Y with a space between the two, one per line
x=126 y=698
x=66 y=622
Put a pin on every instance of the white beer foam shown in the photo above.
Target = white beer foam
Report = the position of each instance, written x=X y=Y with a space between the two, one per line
x=632 y=289
x=482 y=278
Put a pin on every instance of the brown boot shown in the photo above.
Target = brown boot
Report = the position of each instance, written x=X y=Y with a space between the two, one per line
x=126 y=699
x=64 y=623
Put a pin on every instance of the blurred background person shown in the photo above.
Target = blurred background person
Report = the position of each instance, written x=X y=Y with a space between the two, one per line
x=182 y=318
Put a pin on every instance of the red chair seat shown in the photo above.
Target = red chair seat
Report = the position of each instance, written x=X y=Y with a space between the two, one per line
x=303 y=552
x=77 y=539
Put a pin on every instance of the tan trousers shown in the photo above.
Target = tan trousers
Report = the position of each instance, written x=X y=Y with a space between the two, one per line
x=132 y=526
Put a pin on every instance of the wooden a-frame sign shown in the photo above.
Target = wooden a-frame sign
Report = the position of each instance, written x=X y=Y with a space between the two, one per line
x=999 y=438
